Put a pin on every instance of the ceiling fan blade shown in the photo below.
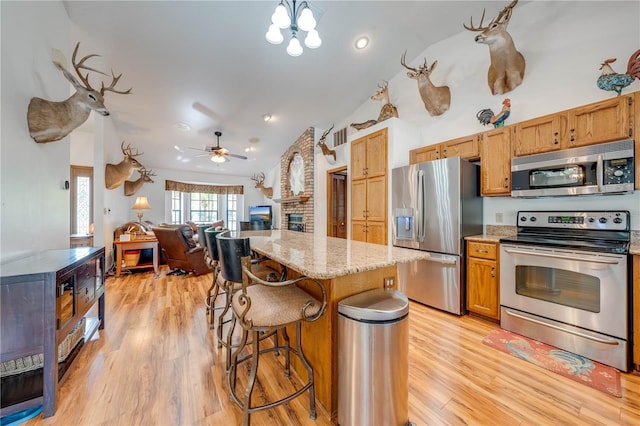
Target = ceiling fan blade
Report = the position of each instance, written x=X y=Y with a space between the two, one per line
x=201 y=155
x=242 y=157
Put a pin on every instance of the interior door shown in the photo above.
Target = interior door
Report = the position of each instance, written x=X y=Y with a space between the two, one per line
x=337 y=203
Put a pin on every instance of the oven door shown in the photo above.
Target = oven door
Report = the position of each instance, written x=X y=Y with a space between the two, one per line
x=584 y=289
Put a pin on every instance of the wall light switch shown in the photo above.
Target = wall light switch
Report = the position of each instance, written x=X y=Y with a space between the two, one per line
x=499 y=217
x=388 y=282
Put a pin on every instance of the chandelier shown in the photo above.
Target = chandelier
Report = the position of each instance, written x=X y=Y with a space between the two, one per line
x=296 y=18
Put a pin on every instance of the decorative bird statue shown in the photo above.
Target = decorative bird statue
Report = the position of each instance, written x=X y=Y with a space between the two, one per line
x=486 y=116
x=612 y=81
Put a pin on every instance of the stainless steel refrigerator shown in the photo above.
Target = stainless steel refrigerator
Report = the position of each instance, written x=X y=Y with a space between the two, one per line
x=435 y=205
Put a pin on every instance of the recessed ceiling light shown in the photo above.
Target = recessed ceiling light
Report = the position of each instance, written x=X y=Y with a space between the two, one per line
x=266 y=117
x=182 y=126
x=177 y=148
x=362 y=42
x=254 y=140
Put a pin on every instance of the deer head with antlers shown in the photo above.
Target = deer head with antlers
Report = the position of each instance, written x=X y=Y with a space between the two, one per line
x=51 y=121
x=388 y=110
x=326 y=151
x=259 y=180
x=507 y=64
x=436 y=99
x=131 y=187
x=116 y=174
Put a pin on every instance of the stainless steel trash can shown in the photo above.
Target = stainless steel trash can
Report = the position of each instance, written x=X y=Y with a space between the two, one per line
x=373 y=362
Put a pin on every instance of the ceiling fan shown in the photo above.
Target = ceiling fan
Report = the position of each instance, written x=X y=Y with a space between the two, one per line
x=217 y=153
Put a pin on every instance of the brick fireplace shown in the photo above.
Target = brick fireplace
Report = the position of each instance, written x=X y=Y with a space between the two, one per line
x=303 y=212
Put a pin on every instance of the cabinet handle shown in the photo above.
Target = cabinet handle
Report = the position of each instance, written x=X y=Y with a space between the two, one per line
x=506 y=182
x=555 y=139
x=493 y=272
x=573 y=138
x=444 y=153
x=482 y=251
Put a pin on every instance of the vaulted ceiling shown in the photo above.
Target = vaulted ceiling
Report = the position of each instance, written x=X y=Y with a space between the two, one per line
x=207 y=64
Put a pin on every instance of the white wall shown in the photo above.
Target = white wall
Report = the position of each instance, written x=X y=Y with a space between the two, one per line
x=35 y=208
x=563 y=42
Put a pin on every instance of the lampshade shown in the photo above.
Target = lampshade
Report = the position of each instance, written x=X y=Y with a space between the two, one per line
x=141 y=204
x=296 y=16
x=217 y=159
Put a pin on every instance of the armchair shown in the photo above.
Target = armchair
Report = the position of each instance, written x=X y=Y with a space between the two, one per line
x=180 y=250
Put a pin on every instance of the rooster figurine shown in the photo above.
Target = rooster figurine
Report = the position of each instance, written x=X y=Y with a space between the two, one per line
x=611 y=80
x=486 y=116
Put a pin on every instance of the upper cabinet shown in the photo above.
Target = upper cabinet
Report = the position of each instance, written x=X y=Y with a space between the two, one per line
x=467 y=147
x=369 y=155
x=540 y=134
x=603 y=121
x=495 y=172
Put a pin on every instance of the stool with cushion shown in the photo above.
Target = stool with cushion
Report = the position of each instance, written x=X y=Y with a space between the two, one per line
x=262 y=308
x=213 y=260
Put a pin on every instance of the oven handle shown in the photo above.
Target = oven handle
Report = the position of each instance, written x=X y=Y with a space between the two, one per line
x=576 y=333
x=555 y=256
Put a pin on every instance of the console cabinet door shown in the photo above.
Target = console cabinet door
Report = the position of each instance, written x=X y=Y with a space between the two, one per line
x=483 y=279
x=495 y=150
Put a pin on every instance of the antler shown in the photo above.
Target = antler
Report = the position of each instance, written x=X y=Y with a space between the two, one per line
x=402 y=61
x=507 y=10
x=385 y=84
x=324 y=135
x=81 y=65
x=258 y=179
x=147 y=173
x=127 y=151
x=111 y=88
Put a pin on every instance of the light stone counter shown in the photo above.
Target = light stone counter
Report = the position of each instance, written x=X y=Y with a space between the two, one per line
x=322 y=257
x=482 y=238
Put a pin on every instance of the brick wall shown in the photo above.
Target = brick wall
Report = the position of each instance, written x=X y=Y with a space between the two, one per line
x=303 y=146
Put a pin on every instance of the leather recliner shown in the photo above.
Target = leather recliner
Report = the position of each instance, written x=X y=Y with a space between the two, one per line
x=180 y=250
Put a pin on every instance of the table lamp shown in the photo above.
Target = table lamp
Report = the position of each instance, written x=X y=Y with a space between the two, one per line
x=141 y=204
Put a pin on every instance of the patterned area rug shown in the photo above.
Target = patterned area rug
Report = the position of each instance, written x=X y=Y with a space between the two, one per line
x=575 y=367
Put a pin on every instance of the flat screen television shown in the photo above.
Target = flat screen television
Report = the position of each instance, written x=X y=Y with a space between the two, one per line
x=261 y=214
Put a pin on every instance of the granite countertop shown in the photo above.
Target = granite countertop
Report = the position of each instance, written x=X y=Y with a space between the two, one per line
x=484 y=238
x=322 y=257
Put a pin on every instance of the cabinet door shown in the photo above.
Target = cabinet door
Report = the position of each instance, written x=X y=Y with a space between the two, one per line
x=636 y=135
x=377 y=198
x=599 y=122
x=359 y=230
x=359 y=199
x=482 y=287
x=376 y=232
x=636 y=309
x=466 y=147
x=359 y=158
x=426 y=153
x=377 y=153
x=539 y=135
x=495 y=150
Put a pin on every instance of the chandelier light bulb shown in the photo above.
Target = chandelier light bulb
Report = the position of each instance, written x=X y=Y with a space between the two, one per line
x=274 y=36
x=217 y=159
x=294 y=48
x=306 y=22
x=281 y=17
x=313 y=41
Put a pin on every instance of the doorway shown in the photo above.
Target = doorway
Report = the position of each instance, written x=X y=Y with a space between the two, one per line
x=81 y=222
x=337 y=202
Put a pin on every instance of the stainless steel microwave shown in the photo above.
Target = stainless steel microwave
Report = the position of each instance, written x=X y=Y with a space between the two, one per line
x=606 y=168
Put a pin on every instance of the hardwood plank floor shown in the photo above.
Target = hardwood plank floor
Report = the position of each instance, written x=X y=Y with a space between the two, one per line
x=157 y=363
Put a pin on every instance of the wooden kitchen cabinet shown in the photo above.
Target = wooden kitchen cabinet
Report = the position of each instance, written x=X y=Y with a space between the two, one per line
x=636 y=312
x=369 y=188
x=495 y=172
x=599 y=122
x=636 y=136
x=467 y=147
x=542 y=134
x=483 y=279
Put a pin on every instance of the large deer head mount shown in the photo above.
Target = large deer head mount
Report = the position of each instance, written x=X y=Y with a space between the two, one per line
x=388 y=110
x=436 y=99
x=329 y=154
x=259 y=180
x=51 y=121
x=507 y=64
x=116 y=174
x=131 y=187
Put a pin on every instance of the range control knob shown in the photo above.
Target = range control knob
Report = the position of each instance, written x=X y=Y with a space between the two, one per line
x=523 y=219
x=617 y=220
x=602 y=220
x=591 y=220
x=533 y=219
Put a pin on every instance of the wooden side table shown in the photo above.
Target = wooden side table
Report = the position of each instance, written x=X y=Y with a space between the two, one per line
x=136 y=244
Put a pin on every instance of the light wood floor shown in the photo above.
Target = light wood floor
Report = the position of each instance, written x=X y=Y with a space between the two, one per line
x=156 y=363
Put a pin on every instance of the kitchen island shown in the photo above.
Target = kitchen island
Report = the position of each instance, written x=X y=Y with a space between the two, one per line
x=344 y=267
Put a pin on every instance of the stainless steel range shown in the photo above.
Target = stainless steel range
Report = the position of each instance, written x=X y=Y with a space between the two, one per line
x=565 y=282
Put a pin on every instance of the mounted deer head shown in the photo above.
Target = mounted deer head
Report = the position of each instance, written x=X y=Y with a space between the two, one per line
x=51 y=121
x=388 y=110
x=131 y=187
x=328 y=153
x=507 y=64
x=116 y=174
x=259 y=180
x=436 y=99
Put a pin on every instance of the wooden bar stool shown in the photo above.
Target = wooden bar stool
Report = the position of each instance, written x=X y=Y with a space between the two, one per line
x=212 y=259
x=264 y=307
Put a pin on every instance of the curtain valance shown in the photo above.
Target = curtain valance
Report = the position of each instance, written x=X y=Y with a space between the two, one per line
x=171 y=185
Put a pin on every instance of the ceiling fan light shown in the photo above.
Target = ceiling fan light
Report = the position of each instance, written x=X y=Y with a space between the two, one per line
x=274 y=36
x=306 y=22
x=281 y=17
x=294 y=48
x=217 y=159
x=313 y=41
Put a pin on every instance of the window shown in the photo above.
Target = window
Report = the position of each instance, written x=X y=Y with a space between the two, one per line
x=176 y=207
x=205 y=208
x=81 y=199
x=232 y=211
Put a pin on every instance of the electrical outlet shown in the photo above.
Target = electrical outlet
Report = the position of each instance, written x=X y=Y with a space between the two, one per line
x=499 y=218
x=389 y=282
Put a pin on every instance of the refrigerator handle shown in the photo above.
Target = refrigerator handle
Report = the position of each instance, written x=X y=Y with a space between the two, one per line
x=420 y=228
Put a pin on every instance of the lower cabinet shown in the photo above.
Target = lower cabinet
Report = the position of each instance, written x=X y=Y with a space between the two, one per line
x=483 y=279
x=636 y=312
